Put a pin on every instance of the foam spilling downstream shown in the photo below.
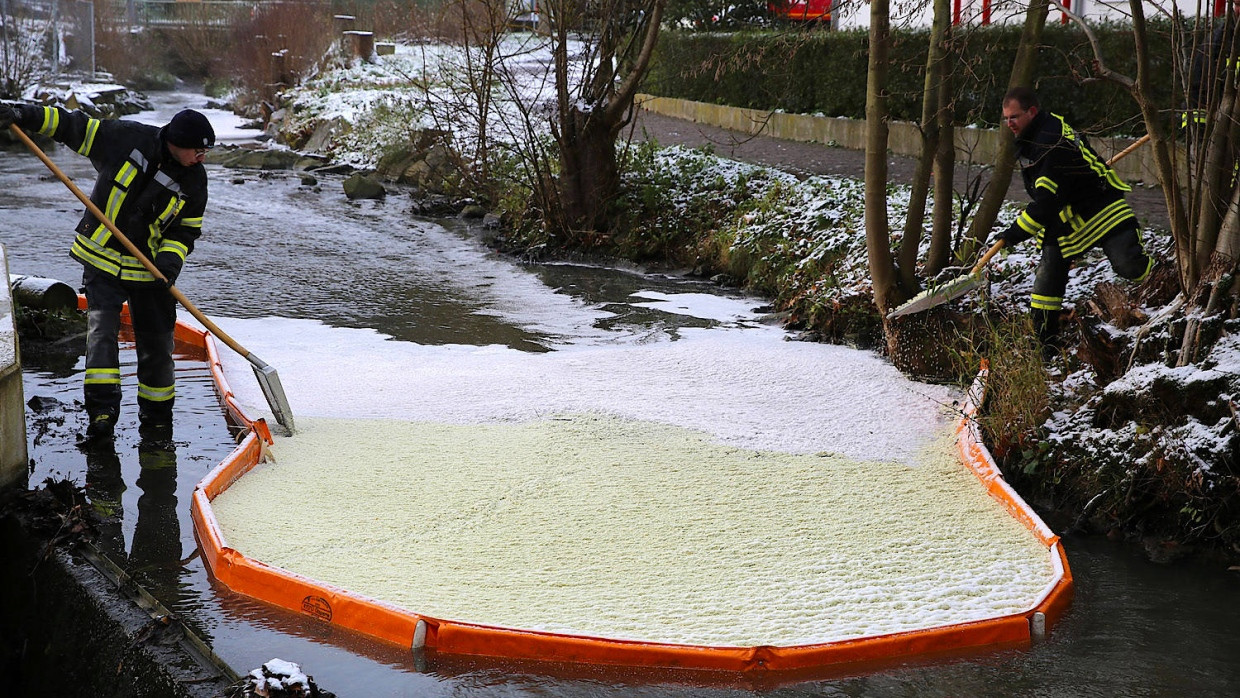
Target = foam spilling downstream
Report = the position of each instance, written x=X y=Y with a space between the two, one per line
x=747 y=387
x=603 y=526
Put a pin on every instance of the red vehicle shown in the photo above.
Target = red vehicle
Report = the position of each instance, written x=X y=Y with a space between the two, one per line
x=801 y=10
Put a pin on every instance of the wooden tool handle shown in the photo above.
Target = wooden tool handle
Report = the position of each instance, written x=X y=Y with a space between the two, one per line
x=981 y=263
x=1136 y=144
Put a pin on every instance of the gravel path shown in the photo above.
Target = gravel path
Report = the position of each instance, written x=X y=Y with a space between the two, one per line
x=815 y=158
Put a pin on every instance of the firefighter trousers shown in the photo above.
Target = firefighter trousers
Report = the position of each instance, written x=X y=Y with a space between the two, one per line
x=152 y=312
x=1123 y=248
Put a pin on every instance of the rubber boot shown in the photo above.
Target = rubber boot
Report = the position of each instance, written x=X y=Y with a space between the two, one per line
x=1046 y=324
x=100 y=430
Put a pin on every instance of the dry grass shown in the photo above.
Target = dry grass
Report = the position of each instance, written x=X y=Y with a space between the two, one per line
x=1017 y=397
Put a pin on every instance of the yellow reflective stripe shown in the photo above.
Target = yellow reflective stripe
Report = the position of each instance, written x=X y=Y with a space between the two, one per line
x=1099 y=167
x=92 y=127
x=192 y=222
x=103 y=376
x=110 y=261
x=124 y=177
x=1046 y=183
x=84 y=249
x=1046 y=302
x=94 y=247
x=1065 y=129
x=1067 y=215
x=175 y=204
x=51 y=121
x=1028 y=224
x=135 y=273
x=156 y=394
x=154 y=238
x=171 y=210
x=1102 y=223
x=115 y=199
x=101 y=235
x=177 y=248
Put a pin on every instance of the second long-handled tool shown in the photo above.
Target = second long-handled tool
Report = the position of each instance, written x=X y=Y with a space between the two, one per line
x=939 y=294
x=267 y=377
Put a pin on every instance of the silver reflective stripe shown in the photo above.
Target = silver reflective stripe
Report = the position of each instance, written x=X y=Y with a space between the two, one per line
x=168 y=183
x=156 y=394
x=102 y=376
x=51 y=121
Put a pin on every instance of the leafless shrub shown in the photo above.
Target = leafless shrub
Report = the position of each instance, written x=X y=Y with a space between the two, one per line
x=24 y=41
x=134 y=58
x=278 y=44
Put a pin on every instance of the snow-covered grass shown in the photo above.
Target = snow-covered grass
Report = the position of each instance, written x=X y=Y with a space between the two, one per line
x=422 y=86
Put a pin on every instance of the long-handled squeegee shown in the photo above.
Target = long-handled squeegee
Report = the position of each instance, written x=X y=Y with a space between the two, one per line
x=267 y=377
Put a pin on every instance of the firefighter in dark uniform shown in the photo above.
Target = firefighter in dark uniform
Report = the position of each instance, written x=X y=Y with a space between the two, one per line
x=1207 y=72
x=153 y=186
x=1077 y=202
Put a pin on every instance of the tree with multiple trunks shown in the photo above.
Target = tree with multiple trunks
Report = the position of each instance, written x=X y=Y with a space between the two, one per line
x=611 y=43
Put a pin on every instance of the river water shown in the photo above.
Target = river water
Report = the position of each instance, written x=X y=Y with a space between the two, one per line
x=360 y=279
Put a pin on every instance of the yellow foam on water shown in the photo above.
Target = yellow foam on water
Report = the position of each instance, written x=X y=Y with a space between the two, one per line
x=601 y=526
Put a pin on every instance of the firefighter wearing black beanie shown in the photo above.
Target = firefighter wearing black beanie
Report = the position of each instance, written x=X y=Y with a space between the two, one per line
x=191 y=130
x=153 y=185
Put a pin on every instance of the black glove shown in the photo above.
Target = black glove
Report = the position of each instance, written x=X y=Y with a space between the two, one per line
x=169 y=265
x=8 y=115
x=1012 y=235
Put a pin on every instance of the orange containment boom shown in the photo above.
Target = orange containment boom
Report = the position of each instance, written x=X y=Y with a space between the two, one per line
x=426 y=636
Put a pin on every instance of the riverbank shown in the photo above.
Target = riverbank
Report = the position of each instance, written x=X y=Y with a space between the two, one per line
x=790 y=228
x=1093 y=453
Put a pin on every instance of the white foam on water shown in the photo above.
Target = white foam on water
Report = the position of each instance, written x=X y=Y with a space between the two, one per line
x=588 y=524
x=745 y=386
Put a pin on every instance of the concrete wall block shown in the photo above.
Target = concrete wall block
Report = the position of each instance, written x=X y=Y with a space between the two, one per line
x=359 y=44
x=13 y=455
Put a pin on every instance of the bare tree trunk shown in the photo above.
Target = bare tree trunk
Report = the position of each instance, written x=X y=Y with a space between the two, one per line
x=590 y=121
x=1226 y=247
x=1160 y=141
x=589 y=176
x=1218 y=176
x=945 y=155
x=1022 y=72
x=877 y=230
x=930 y=134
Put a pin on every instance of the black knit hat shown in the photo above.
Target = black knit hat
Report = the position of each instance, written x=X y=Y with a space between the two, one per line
x=190 y=129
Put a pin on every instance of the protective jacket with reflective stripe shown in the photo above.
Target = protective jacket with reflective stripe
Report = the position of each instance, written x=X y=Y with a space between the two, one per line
x=155 y=201
x=1075 y=195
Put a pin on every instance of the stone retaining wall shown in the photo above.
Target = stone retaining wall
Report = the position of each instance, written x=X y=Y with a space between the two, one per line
x=904 y=139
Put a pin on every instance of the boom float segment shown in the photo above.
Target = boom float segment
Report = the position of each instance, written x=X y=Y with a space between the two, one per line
x=423 y=634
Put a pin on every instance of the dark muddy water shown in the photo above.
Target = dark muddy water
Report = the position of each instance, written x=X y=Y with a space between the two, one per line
x=279 y=248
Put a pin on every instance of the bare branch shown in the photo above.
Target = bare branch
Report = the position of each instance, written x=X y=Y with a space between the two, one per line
x=1099 y=64
x=627 y=89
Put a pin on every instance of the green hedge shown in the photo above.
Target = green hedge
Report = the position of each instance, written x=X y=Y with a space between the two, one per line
x=825 y=73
